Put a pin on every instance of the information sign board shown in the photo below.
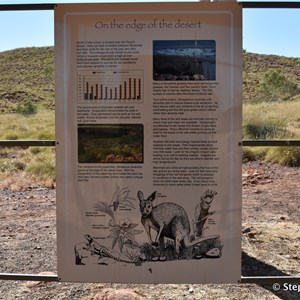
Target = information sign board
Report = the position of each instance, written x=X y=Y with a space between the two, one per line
x=148 y=112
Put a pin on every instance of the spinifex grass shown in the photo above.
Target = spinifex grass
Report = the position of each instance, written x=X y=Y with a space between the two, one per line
x=280 y=114
x=273 y=121
x=37 y=163
x=33 y=127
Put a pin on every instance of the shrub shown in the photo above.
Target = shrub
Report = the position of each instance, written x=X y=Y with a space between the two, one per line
x=42 y=170
x=284 y=155
x=11 y=135
x=288 y=156
x=275 y=86
x=263 y=131
x=11 y=165
x=35 y=150
x=248 y=155
x=20 y=166
x=27 y=108
x=45 y=136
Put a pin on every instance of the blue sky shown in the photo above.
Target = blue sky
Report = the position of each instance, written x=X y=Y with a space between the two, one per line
x=267 y=31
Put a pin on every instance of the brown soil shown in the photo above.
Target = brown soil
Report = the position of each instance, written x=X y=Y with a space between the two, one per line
x=270 y=241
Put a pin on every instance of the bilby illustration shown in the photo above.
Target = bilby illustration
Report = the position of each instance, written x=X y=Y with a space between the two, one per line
x=167 y=219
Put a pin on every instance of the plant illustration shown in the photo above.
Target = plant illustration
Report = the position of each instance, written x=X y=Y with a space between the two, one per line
x=121 y=196
x=105 y=208
x=123 y=232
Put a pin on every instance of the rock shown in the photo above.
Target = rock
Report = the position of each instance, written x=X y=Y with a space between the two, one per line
x=121 y=294
x=213 y=253
x=253 y=234
x=247 y=230
x=32 y=284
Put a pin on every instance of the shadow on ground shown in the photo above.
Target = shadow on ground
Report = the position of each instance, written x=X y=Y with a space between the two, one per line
x=254 y=267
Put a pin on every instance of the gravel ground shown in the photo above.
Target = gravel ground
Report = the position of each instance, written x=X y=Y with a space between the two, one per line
x=270 y=241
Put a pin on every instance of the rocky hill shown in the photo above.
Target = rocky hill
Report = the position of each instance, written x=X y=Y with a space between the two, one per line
x=255 y=66
x=27 y=74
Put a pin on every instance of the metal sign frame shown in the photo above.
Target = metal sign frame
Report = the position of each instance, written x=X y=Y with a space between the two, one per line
x=52 y=143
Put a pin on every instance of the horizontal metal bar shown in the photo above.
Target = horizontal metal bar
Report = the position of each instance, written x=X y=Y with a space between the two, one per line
x=13 y=7
x=252 y=279
x=29 y=277
x=50 y=143
x=26 y=143
x=250 y=4
x=270 y=279
x=271 y=143
x=266 y=4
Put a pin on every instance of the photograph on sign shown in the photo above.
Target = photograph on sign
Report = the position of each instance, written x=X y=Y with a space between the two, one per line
x=148 y=113
x=112 y=143
x=184 y=60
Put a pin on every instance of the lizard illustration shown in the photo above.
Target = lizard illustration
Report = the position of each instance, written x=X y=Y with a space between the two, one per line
x=95 y=248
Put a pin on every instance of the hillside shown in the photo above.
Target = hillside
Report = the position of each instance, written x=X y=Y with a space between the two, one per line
x=27 y=74
x=255 y=66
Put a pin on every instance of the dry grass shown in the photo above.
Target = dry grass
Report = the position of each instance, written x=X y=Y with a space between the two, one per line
x=36 y=163
x=39 y=126
x=273 y=121
x=285 y=115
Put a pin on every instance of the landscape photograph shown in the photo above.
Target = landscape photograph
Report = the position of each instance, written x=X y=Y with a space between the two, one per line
x=184 y=60
x=110 y=143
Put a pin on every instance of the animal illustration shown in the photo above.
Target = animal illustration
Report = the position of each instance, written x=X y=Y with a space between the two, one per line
x=95 y=248
x=167 y=219
x=202 y=211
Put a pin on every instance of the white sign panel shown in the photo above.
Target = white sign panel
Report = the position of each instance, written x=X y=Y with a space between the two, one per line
x=148 y=112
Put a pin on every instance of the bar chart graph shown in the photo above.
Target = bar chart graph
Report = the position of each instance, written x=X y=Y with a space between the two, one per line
x=110 y=86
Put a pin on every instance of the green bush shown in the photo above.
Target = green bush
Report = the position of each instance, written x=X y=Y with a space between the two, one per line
x=263 y=131
x=11 y=165
x=42 y=170
x=288 y=156
x=27 y=108
x=45 y=136
x=11 y=136
x=284 y=155
x=35 y=150
x=276 y=87
x=248 y=155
